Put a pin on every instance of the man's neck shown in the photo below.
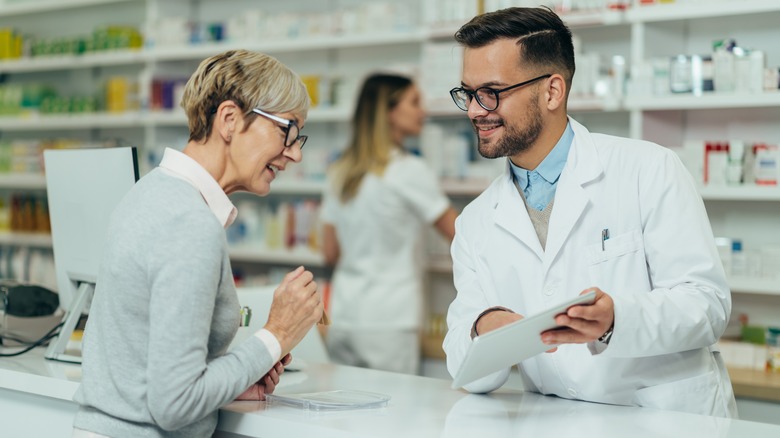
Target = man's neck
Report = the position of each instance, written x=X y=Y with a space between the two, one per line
x=548 y=138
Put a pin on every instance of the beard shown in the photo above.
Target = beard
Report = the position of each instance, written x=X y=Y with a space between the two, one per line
x=514 y=140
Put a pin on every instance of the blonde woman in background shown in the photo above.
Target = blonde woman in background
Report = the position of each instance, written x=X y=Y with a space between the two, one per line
x=155 y=359
x=379 y=199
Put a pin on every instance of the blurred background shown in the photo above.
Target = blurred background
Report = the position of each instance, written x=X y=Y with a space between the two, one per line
x=700 y=77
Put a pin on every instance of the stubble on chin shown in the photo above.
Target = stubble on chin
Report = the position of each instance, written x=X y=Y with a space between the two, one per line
x=513 y=141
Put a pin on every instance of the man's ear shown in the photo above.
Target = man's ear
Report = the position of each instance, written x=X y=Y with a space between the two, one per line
x=226 y=120
x=555 y=94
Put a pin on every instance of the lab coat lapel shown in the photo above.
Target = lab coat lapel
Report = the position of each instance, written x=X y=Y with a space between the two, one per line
x=571 y=199
x=511 y=215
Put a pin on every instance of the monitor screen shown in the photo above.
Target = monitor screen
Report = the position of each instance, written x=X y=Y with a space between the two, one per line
x=83 y=187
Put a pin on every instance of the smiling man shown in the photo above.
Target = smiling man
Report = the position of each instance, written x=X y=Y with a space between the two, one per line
x=574 y=212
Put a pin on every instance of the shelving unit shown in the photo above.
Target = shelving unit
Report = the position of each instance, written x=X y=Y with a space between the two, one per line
x=33 y=240
x=638 y=18
x=653 y=31
x=683 y=11
x=34 y=7
x=133 y=119
x=255 y=254
x=754 y=384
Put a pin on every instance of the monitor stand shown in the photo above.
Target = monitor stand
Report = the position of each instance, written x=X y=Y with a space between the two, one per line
x=56 y=350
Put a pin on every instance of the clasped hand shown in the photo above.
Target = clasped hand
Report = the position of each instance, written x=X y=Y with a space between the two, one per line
x=267 y=384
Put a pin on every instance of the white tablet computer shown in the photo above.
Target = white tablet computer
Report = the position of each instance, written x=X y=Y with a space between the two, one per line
x=512 y=343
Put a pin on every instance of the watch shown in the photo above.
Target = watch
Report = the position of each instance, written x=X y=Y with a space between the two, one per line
x=604 y=339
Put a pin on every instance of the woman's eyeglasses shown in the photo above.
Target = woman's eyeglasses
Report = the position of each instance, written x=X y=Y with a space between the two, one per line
x=292 y=132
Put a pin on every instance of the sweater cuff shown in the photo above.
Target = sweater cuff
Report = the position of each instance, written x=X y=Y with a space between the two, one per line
x=271 y=343
x=474 y=333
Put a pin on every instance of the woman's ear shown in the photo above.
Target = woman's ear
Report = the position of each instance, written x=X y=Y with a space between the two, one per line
x=226 y=120
x=555 y=94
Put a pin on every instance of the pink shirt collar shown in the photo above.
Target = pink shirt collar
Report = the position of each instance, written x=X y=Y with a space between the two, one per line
x=182 y=166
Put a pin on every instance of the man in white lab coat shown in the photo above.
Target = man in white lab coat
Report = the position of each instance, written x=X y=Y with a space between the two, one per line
x=574 y=212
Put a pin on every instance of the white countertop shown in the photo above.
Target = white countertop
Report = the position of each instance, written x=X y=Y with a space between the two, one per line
x=419 y=407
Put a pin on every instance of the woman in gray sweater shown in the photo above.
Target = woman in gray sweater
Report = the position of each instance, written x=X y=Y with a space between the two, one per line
x=155 y=359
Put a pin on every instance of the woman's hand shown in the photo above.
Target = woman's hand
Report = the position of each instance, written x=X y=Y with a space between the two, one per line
x=267 y=384
x=296 y=307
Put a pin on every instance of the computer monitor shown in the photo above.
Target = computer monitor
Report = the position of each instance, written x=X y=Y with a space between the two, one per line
x=84 y=187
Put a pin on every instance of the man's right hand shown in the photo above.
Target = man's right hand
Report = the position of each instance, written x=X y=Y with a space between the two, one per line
x=296 y=307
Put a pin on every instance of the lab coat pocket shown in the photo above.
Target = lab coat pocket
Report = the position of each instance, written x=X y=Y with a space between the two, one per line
x=619 y=264
x=697 y=395
x=616 y=246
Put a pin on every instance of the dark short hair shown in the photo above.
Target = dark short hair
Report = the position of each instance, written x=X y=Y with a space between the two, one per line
x=542 y=38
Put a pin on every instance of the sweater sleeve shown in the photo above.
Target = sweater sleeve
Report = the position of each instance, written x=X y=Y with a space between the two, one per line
x=184 y=275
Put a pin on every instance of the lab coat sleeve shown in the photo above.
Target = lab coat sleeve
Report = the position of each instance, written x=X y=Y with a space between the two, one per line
x=690 y=302
x=414 y=181
x=470 y=301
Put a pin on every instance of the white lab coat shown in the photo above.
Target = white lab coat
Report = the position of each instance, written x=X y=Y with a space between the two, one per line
x=660 y=266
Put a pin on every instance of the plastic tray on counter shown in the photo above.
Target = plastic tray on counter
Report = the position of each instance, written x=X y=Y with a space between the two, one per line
x=337 y=400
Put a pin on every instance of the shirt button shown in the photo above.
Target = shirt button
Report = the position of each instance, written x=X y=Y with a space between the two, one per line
x=549 y=290
x=572 y=392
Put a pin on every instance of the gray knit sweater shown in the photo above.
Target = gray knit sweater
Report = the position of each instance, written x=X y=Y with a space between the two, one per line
x=164 y=312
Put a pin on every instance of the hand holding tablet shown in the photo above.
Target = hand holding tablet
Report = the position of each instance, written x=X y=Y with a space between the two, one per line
x=512 y=343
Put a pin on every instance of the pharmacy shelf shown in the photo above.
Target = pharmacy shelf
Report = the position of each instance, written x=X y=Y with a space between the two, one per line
x=34 y=240
x=11 y=8
x=687 y=11
x=431 y=347
x=36 y=181
x=755 y=384
x=71 y=62
x=300 y=187
x=201 y=51
x=302 y=44
x=256 y=254
x=316 y=115
x=439 y=264
x=242 y=253
x=705 y=101
x=23 y=181
x=166 y=118
x=53 y=122
x=463 y=187
x=755 y=285
x=594 y=104
x=740 y=193
x=594 y=17
x=133 y=119
x=330 y=114
x=575 y=20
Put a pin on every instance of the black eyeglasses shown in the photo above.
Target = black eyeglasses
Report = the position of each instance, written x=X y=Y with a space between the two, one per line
x=487 y=97
x=292 y=133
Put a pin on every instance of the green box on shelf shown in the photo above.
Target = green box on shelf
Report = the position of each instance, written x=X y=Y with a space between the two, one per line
x=753 y=334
